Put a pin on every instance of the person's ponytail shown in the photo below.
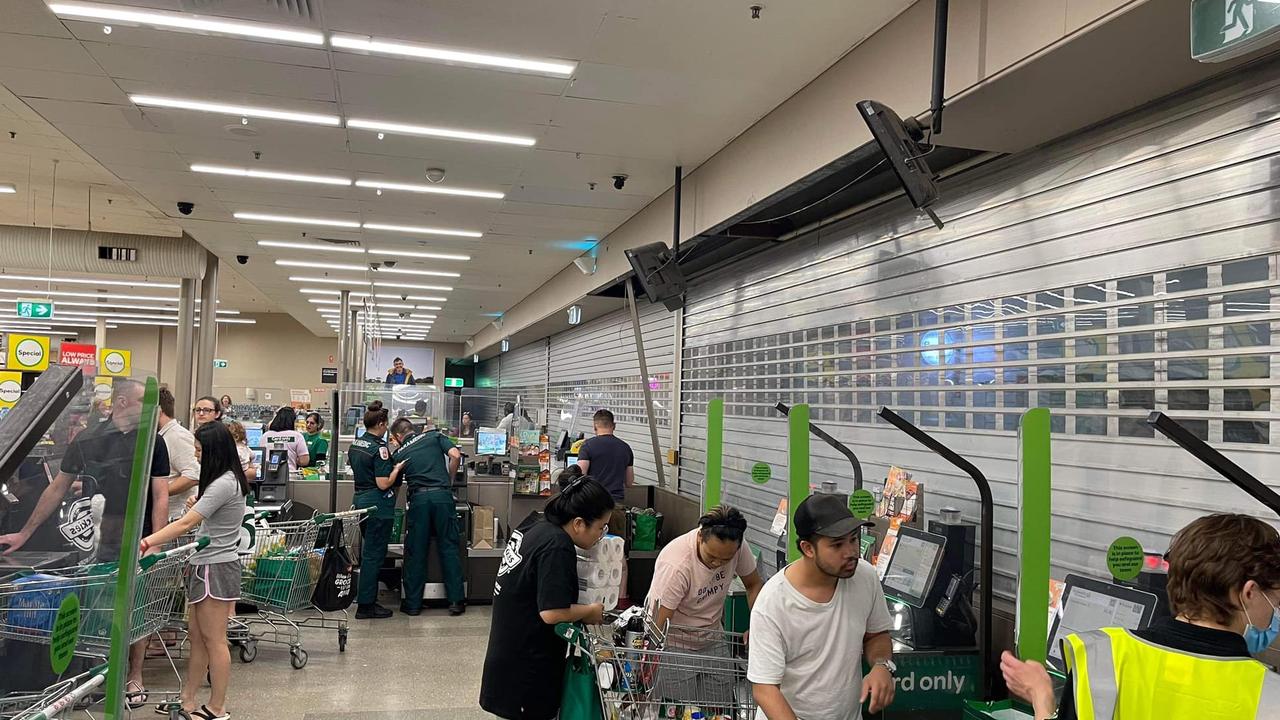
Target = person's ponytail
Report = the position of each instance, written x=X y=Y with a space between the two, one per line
x=581 y=497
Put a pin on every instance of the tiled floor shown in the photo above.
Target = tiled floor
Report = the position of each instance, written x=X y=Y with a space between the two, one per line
x=401 y=668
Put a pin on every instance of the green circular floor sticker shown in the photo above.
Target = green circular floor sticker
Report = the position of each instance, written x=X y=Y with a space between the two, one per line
x=761 y=472
x=66 y=632
x=862 y=503
x=1124 y=558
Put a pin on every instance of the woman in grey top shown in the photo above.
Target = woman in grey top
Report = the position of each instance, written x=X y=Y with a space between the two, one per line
x=213 y=575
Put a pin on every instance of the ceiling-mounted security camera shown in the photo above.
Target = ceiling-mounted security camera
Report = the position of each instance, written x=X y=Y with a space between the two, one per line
x=375 y=265
x=619 y=181
x=587 y=264
x=186 y=208
x=435 y=174
x=389 y=263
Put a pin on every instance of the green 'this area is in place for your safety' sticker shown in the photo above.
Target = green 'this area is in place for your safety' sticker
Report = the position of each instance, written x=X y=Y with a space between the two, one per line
x=761 y=472
x=1124 y=558
x=66 y=632
x=862 y=503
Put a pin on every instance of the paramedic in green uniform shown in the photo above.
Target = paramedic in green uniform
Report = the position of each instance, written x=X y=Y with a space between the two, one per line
x=376 y=481
x=430 y=513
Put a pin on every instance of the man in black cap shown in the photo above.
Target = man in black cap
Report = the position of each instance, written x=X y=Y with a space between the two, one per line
x=814 y=617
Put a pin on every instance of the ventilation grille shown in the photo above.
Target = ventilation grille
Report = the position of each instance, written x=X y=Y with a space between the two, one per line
x=294 y=8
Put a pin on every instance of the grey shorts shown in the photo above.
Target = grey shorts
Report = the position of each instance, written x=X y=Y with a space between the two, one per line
x=220 y=581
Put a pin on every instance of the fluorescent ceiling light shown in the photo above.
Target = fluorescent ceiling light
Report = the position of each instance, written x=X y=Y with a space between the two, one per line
x=360 y=293
x=427 y=52
x=68 y=322
x=334 y=281
x=411 y=286
x=237 y=321
x=425 y=273
x=321 y=265
x=446 y=133
x=430 y=189
x=318 y=247
x=415 y=254
x=7 y=189
x=266 y=217
x=271 y=175
x=184 y=21
x=423 y=230
x=101 y=296
x=242 y=111
x=135 y=316
x=82 y=281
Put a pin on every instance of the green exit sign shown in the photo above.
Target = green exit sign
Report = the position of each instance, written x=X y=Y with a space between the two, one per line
x=219 y=363
x=454 y=382
x=1225 y=29
x=35 y=309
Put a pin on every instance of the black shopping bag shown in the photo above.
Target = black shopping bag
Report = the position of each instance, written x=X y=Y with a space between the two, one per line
x=334 y=589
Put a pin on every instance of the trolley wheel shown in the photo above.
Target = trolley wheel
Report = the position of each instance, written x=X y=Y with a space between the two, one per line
x=177 y=713
x=298 y=658
x=342 y=640
x=249 y=651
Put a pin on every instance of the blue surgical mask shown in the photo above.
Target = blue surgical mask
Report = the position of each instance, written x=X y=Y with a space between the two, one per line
x=1259 y=639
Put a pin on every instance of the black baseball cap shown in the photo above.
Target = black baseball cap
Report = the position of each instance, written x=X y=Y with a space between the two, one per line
x=826 y=514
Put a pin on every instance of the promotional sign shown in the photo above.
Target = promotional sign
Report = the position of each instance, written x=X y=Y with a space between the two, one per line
x=38 y=309
x=102 y=388
x=118 y=363
x=10 y=390
x=29 y=353
x=329 y=375
x=82 y=356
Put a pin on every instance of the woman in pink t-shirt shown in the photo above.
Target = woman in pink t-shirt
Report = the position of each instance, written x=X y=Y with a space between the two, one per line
x=283 y=429
x=690 y=582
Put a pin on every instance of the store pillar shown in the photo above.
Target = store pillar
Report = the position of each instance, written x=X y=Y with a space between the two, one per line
x=208 y=327
x=186 y=345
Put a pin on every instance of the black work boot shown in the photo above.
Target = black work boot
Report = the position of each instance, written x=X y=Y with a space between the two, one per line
x=372 y=612
x=456 y=609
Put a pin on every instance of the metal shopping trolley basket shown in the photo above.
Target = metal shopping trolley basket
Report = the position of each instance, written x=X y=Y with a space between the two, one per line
x=57 y=699
x=280 y=577
x=30 y=602
x=651 y=673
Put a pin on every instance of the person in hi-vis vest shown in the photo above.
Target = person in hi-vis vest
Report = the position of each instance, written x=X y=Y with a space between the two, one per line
x=1224 y=593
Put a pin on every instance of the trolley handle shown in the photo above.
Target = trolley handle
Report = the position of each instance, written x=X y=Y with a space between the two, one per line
x=96 y=677
x=148 y=561
x=324 y=518
x=574 y=634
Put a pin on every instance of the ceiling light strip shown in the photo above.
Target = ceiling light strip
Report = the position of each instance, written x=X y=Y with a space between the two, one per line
x=241 y=111
x=316 y=247
x=184 y=21
x=82 y=281
x=295 y=220
x=429 y=189
x=369 y=44
x=415 y=254
x=271 y=175
x=417 y=230
x=394 y=128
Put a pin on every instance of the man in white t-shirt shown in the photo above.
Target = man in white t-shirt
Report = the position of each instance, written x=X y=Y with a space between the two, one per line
x=815 y=622
x=184 y=470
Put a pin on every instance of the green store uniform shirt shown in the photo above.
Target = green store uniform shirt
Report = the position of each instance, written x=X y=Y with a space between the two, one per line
x=316 y=446
x=370 y=459
x=424 y=458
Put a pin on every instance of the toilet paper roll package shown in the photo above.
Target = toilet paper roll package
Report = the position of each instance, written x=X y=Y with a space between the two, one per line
x=594 y=575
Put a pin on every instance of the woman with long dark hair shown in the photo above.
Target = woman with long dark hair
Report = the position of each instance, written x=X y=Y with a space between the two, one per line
x=537 y=587
x=317 y=444
x=282 y=429
x=213 y=573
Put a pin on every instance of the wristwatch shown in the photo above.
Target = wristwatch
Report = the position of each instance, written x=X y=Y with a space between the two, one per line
x=887 y=665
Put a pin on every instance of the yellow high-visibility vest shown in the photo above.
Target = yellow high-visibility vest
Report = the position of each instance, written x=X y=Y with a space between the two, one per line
x=1119 y=676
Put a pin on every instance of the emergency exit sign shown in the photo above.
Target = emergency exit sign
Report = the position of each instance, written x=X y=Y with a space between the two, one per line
x=1224 y=29
x=42 y=309
x=219 y=363
x=453 y=382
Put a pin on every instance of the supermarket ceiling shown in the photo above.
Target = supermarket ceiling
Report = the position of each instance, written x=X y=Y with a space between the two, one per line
x=341 y=96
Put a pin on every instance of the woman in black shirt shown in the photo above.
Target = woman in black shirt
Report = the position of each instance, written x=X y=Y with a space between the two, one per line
x=537 y=587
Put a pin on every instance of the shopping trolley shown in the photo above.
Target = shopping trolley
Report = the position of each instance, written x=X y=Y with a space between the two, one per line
x=280 y=577
x=30 y=602
x=652 y=673
x=63 y=695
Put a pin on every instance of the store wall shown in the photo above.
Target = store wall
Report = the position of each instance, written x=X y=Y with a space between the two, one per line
x=1126 y=269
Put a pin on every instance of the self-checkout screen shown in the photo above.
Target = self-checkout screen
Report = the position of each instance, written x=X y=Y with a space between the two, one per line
x=1089 y=604
x=491 y=443
x=914 y=565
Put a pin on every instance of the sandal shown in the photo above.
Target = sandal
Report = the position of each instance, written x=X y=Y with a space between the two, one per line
x=204 y=713
x=135 y=698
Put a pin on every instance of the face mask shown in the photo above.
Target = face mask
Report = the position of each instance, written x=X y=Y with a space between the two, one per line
x=1259 y=639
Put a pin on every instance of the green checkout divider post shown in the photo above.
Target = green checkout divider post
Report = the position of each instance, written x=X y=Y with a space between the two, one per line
x=798 y=485
x=715 y=454
x=1035 y=472
x=139 y=487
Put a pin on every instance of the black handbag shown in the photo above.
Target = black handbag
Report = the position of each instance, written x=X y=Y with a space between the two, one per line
x=335 y=588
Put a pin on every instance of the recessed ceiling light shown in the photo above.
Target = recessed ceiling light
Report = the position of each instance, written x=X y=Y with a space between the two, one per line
x=321 y=265
x=383 y=126
x=271 y=175
x=318 y=247
x=425 y=273
x=183 y=21
x=264 y=217
x=7 y=189
x=82 y=281
x=415 y=254
x=240 y=111
x=427 y=52
x=423 y=230
x=430 y=189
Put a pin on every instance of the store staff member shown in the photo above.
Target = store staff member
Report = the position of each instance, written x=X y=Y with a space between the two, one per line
x=430 y=513
x=376 y=480
x=399 y=374
x=317 y=445
x=1224 y=592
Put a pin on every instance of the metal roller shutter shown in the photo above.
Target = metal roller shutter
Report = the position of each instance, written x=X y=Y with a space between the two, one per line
x=1124 y=269
x=482 y=400
x=523 y=373
x=596 y=362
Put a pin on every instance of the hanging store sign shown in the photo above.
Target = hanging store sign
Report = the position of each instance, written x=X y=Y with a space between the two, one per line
x=84 y=357
x=1226 y=29
x=28 y=353
x=117 y=363
x=10 y=390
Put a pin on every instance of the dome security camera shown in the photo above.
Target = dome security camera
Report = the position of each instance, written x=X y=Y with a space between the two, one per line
x=435 y=174
x=619 y=181
x=186 y=208
x=242 y=259
x=389 y=263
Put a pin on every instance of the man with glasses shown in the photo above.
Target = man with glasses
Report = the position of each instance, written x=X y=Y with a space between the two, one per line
x=816 y=619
